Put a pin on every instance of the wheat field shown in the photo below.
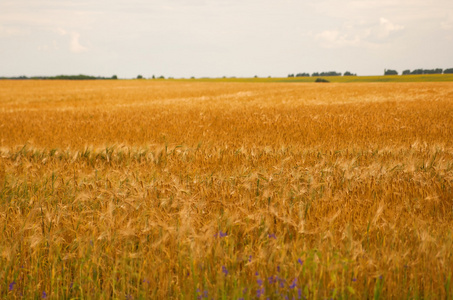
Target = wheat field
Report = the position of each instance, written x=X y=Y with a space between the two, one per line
x=148 y=189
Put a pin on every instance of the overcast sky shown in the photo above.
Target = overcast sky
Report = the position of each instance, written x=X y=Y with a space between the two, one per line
x=214 y=38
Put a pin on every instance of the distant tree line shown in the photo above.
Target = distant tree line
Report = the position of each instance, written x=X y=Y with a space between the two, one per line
x=332 y=73
x=317 y=74
x=62 y=77
x=420 y=71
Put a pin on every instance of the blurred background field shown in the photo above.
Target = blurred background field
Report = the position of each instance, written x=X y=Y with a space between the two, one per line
x=225 y=190
x=341 y=79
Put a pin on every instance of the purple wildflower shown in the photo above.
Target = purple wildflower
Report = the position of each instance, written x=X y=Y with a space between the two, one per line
x=300 y=261
x=11 y=286
x=293 y=284
x=44 y=295
x=282 y=282
x=259 y=292
x=260 y=282
x=221 y=234
x=278 y=268
x=272 y=236
x=245 y=290
x=250 y=258
x=256 y=273
x=272 y=280
x=354 y=279
x=299 y=293
x=225 y=270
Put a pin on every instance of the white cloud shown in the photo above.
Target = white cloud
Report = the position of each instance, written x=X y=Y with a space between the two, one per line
x=52 y=46
x=61 y=31
x=76 y=47
x=11 y=31
x=358 y=34
x=334 y=38
x=386 y=27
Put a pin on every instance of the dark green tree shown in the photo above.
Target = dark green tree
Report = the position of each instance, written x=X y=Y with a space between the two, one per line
x=390 y=72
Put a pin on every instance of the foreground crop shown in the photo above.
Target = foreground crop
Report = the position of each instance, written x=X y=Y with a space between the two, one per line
x=226 y=191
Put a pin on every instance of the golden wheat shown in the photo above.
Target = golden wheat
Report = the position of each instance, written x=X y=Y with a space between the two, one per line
x=180 y=189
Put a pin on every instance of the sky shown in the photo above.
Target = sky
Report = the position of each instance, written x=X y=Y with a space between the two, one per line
x=216 y=38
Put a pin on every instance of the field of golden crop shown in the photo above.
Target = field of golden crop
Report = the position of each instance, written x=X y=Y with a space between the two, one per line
x=213 y=190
